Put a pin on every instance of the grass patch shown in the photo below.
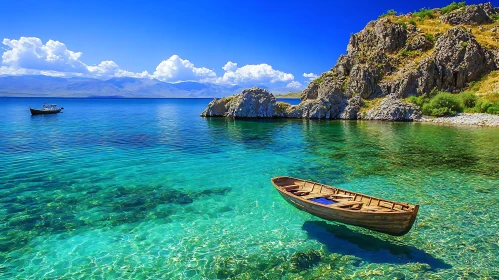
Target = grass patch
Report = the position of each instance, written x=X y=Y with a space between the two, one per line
x=404 y=25
x=368 y=104
x=430 y=37
x=452 y=6
x=406 y=53
x=345 y=86
x=319 y=80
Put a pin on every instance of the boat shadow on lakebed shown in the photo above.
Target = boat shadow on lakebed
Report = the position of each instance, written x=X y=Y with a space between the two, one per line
x=342 y=240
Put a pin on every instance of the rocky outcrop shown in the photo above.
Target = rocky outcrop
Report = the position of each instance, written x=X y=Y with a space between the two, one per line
x=382 y=34
x=250 y=103
x=419 y=43
x=457 y=60
x=393 y=109
x=471 y=15
x=391 y=58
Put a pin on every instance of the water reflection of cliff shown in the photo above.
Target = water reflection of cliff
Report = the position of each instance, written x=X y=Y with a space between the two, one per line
x=275 y=135
x=378 y=148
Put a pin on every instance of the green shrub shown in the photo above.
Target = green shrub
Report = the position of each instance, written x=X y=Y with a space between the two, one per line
x=404 y=25
x=430 y=37
x=464 y=45
x=494 y=109
x=481 y=106
x=452 y=6
x=495 y=16
x=468 y=99
x=413 y=22
x=419 y=100
x=424 y=14
x=443 y=104
x=391 y=12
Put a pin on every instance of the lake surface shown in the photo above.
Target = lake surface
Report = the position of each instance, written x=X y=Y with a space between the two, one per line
x=147 y=188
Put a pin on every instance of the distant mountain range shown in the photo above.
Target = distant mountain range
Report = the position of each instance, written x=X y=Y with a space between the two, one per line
x=46 y=86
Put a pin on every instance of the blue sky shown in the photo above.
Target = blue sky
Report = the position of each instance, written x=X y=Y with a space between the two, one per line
x=290 y=37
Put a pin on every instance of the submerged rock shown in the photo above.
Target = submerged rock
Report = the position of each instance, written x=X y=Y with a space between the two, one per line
x=304 y=260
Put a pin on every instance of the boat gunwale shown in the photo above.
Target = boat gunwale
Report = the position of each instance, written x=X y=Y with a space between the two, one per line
x=411 y=211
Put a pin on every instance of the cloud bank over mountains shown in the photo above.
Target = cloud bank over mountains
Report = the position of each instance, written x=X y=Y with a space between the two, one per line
x=30 y=56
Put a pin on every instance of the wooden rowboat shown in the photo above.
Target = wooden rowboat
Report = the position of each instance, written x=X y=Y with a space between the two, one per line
x=333 y=204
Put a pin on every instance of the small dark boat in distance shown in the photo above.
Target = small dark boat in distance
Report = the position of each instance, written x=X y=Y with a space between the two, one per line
x=47 y=109
x=333 y=204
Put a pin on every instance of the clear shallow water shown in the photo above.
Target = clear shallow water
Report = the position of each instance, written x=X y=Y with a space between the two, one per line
x=147 y=188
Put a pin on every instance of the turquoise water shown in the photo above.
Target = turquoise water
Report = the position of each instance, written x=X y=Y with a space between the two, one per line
x=147 y=189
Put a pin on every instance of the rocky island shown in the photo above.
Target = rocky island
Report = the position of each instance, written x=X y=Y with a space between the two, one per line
x=437 y=62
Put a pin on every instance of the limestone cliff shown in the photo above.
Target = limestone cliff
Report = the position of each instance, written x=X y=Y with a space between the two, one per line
x=392 y=58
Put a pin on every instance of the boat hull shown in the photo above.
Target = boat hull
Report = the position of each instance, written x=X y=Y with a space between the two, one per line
x=44 y=112
x=390 y=223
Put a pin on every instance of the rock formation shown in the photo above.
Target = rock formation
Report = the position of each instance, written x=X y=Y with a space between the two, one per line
x=250 y=103
x=390 y=59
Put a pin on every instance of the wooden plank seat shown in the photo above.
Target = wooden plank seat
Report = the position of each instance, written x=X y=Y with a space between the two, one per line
x=341 y=196
x=346 y=204
x=291 y=188
x=315 y=195
x=379 y=209
x=373 y=208
x=302 y=193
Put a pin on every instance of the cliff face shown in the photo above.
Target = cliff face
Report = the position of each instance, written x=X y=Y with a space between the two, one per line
x=395 y=57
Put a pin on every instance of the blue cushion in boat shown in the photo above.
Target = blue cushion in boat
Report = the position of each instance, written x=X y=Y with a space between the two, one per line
x=322 y=200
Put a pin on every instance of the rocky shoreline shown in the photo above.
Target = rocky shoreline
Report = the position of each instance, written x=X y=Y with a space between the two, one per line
x=465 y=119
x=259 y=103
x=390 y=62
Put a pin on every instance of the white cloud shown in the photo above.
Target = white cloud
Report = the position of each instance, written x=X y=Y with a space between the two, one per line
x=31 y=53
x=176 y=69
x=230 y=66
x=31 y=56
x=311 y=76
x=294 y=84
x=252 y=74
x=109 y=68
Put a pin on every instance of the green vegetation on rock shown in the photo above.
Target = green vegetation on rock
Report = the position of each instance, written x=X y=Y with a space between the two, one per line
x=424 y=14
x=281 y=107
x=452 y=6
x=389 y=13
x=447 y=104
x=430 y=37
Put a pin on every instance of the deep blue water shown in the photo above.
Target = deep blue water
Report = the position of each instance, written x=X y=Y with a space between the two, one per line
x=137 y=188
